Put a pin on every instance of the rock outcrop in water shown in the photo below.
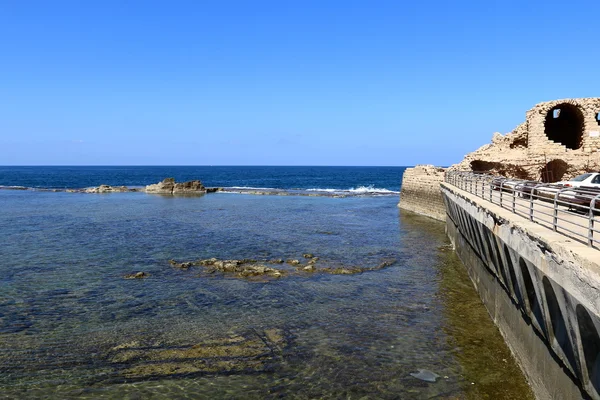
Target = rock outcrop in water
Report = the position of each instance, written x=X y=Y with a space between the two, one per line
x=274 y=268
x=108 y=189
x=169 y=186
x=137 y=275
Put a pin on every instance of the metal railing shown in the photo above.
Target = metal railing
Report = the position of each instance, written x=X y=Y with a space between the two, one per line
x=567 y=210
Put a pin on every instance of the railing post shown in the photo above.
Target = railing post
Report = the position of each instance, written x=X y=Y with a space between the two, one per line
x=591 y=221
x=555 y=212
x=514 y=199
x=531 y=202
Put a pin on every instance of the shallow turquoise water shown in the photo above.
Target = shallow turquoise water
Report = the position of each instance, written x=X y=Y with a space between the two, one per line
x=67 y=314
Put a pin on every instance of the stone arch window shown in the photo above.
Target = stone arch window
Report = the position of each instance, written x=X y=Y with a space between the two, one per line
x=553 y=171
x=564 y=125
x=590 y=342
x=598 y=118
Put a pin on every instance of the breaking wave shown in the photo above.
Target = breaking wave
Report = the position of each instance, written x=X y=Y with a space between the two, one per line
x=359 y=190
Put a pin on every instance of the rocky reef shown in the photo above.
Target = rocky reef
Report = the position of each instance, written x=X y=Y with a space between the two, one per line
x=137 y=275
x=109 y=189
x=169 y=186
x=274 y=268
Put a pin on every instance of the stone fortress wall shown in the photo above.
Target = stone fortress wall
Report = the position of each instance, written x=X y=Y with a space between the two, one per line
x=420 y=192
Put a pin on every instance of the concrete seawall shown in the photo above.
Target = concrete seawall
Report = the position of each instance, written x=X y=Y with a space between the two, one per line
x=420 y=191
x=540 y=288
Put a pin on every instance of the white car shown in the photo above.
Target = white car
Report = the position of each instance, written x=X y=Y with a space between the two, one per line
x=591 y=179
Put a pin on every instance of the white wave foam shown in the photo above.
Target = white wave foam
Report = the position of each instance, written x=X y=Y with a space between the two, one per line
x=251 y=188
x=325 y=190
x=14 y=187
x=371 y=189
x=359 y=190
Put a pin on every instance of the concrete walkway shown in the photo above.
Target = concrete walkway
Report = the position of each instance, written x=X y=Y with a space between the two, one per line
x=570 y=222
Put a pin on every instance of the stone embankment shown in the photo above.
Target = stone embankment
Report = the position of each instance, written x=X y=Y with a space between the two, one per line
x=540 y=287
x=420 y=191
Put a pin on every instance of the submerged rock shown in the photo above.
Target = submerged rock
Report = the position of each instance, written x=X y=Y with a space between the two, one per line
x=184 y=265
x=107 y=189
x=137 y=275
x=244 y=353
x=273 y=268
x=425 y=375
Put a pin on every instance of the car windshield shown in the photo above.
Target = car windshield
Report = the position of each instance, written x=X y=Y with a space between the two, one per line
x=580 y=178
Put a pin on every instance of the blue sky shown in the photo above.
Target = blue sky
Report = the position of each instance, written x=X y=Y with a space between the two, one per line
x=281 y=82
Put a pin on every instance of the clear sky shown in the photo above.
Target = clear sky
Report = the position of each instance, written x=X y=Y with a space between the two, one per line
x=281 y=82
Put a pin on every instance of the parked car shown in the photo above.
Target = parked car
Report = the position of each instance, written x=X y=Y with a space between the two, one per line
x=590 y=179
x=522 y=187
x=582 y=196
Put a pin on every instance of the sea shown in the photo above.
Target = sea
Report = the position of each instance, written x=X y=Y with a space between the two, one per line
x=371 y=301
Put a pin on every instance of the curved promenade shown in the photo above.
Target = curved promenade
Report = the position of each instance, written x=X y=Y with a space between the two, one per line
x=541 y=288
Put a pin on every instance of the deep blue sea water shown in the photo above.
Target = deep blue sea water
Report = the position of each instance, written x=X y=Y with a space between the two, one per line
x=71 y=326
x=344 y=178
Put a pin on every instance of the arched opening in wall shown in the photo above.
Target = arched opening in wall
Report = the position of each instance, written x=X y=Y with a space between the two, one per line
x=557 y=320
x=590 y=342
x=553 y=171
x=520 y=141
x=483 y=166
x=501 y=265
x=513 y=277
x=498 y=168
x=534 y=305
x=492 y=257
x=564 y=125
x=598 y=118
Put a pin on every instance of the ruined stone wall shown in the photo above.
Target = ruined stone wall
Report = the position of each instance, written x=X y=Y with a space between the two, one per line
x=540 y=144
x=558 y=140
x=420 y=191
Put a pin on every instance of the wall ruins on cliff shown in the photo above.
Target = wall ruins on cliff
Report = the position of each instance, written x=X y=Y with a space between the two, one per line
x=558 y=140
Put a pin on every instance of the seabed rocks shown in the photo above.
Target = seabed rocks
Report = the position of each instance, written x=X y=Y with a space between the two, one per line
x=249 y=352
x=108 y=189
x=274 y=268
x=137 y=275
